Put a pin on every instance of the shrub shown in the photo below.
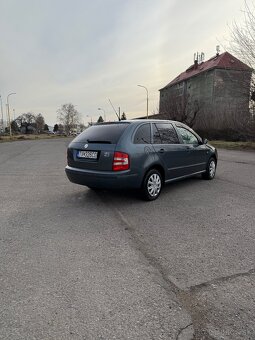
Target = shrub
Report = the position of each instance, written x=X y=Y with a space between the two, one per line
x=230 y=135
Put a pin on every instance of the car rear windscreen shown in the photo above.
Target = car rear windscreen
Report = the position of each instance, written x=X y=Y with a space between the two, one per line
x=102 y=133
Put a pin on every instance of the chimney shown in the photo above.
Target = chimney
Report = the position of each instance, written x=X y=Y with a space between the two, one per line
x=195 y=60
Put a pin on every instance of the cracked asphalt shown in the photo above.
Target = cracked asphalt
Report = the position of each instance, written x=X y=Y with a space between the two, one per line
x=83 y=264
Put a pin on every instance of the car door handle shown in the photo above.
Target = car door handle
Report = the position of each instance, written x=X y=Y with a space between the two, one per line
x=162 y=150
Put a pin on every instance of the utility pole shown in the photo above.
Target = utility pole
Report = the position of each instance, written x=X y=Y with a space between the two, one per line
x=8 y=112
x=118 y=115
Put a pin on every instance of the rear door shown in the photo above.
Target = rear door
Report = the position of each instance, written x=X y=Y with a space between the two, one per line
x=171 y=152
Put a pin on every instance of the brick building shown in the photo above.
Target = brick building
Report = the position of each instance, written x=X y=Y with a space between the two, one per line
x=212 y=94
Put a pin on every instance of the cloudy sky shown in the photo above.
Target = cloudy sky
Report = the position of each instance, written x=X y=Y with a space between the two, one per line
x=84 y=52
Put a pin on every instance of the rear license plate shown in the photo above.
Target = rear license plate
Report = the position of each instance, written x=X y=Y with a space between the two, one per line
x=87 y=154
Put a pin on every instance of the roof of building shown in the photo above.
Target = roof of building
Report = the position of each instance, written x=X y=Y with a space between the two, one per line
x=222 y=61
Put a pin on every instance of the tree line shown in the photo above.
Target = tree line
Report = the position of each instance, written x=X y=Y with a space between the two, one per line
x=69 y=121
x=29 y=123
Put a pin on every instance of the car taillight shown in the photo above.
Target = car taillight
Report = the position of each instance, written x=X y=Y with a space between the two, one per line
x=120 y=161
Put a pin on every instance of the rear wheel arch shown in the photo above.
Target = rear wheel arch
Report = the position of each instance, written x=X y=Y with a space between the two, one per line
x=152 y=184
x=159 y=168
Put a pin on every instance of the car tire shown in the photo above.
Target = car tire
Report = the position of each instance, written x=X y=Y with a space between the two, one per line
x=152 y=185
x=210 y=169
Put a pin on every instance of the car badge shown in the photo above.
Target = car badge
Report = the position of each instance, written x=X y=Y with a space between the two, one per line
x=85 y=146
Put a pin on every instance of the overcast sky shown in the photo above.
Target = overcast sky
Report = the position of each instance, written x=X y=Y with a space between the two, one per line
x=84 y=52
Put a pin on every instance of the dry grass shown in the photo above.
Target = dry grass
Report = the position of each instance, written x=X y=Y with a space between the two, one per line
x=27 y=137
x=233 y=145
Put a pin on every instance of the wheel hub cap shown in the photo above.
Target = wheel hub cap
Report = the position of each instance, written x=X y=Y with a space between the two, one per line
x=212 y=168
x=154 y=185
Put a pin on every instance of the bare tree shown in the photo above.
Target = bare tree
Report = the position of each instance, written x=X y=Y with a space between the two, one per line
x=81 y=127
x=26 y=122
x=68 y=116
x=242 y=43
x=26 y=118
x=243 y=36
x=181 y=108
x=40 y=122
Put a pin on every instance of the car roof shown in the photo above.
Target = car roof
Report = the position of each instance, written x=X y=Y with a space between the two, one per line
x=138 y=121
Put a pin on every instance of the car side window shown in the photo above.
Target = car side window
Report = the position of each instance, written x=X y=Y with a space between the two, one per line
x=187 y=136
x=143 y=134
x=156 y=135
x=164 y=133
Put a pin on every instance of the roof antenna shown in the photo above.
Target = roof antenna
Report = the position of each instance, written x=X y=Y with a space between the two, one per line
x=217 y=50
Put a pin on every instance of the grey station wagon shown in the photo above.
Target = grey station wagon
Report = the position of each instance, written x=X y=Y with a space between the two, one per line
x=142 y=154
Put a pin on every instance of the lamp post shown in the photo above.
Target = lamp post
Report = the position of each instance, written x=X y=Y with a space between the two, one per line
x=8 y=111
x=2 y=114
x=103 y=111
x=147 y=97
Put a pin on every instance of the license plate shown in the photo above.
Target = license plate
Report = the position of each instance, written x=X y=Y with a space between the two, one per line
x=87 y=154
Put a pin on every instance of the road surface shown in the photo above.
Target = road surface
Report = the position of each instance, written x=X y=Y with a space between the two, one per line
x=83 y=264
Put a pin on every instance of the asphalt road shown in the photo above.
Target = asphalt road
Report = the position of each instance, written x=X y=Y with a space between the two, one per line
x=83 y=264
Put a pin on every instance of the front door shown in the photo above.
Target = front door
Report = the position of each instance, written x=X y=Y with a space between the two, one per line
x=196 y=155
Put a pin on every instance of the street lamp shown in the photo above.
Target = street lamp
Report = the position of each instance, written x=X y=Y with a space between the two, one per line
x=2 y=114
x=8 y=110
x=104 y=113
x=147 y=97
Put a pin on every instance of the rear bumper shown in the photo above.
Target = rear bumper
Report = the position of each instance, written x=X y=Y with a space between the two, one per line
x=103 y=179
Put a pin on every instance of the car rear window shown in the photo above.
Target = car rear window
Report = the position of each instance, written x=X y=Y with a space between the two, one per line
x=143 y=134
x=102 y=133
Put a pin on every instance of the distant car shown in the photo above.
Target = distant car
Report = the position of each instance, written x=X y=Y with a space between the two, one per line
x=142 y=154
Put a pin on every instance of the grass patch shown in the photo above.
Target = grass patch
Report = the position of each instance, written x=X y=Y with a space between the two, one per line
x=28 y=137
x=233 y=145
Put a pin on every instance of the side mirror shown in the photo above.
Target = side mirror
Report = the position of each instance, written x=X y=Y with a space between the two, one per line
x=205 y=141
